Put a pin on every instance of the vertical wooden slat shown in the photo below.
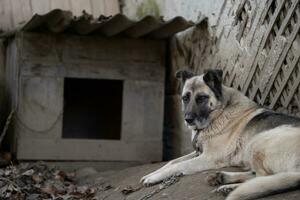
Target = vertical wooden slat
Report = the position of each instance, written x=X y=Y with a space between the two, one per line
x=40 y=6
x=21 y=12
x=77 y=6
x=26 y=8
x=112 y=7
x=98 y=7
x=61 y=4
x=5 y=15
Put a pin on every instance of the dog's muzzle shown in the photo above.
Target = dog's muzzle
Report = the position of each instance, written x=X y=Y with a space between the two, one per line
x=190 y=118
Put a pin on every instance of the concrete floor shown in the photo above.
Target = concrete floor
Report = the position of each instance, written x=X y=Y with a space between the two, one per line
x=188 y=187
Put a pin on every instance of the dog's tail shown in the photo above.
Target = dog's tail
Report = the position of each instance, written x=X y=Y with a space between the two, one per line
x=266 y=185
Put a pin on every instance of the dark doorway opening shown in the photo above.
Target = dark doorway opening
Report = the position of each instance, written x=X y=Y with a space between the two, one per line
x=92 y=108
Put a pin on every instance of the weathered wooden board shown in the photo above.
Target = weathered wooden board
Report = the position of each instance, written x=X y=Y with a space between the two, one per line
x=12 y=73
x=118 y=70
x=2 y=61
x=91 y=56
x=39 y=118
x=78 y=149
x=62 y=48
x=12 y=85
x=3 y=107
x=40 y=107
x=143 y=111
x=43 y=63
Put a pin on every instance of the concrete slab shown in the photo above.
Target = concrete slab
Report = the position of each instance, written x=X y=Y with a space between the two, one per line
x=187 y=188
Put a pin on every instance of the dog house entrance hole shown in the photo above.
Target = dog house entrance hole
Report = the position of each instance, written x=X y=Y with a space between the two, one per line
x=92 y=108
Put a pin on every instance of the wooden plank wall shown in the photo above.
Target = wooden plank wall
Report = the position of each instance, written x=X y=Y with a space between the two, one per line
x=14 y=13
x=139 y=63
x=2 y=93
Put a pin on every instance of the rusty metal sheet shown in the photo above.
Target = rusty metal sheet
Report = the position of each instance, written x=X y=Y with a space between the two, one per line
x=55 y=21
x=170 y=28
x=59 y=21
x=146 y=25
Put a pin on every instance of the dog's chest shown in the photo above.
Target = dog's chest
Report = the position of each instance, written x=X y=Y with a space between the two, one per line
x=225 y=151
x=218 y=146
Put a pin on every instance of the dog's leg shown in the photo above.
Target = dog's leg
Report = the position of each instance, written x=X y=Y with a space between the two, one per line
x=186 y=167
x=220 y=178
x=226 y=189
x=266 y=185
x=183 y=158
x=232 y=179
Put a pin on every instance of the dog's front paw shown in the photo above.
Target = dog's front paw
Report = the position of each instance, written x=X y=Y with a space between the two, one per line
x=143 y=178
x=151 y=180
x=225 y=189
x=215 y=179
x=146 y=176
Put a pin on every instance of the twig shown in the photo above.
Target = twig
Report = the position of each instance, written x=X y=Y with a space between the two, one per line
x=16 y=187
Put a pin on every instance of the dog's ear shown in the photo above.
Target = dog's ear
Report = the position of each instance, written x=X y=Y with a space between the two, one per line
x=213 y=79
x=183 y=75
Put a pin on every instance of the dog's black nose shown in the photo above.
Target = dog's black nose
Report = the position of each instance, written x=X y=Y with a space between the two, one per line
x=190 y=118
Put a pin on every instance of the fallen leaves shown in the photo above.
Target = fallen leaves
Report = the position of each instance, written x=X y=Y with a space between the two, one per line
x=38 y=181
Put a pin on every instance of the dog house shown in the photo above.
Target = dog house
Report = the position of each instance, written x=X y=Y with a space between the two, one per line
x=86 y=89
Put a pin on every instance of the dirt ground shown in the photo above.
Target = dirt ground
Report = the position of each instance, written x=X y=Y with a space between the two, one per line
x=188 y=187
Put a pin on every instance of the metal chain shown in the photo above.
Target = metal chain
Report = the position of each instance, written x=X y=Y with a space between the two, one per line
x=165 y=184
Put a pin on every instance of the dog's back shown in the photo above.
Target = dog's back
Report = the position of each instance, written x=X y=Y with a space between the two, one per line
x=273 y=152
x=268 y=119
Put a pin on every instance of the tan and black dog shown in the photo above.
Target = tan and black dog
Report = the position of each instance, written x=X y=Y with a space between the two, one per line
x=232 y=130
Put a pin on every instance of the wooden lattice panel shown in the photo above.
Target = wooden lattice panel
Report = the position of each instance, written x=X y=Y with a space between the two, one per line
x=257 y=44
x=273 y=76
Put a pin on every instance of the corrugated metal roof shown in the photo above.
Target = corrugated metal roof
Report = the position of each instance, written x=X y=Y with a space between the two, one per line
x=58 y=21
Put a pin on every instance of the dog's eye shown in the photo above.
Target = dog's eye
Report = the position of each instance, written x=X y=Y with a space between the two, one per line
x=201 y=98
x=186 y=98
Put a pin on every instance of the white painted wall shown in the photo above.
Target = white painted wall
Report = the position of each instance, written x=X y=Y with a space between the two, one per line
x=190 y=9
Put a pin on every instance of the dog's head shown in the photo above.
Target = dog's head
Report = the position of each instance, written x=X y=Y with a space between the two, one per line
x=201 y=96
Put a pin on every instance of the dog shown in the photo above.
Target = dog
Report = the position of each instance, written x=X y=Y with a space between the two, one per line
x=228 y=129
